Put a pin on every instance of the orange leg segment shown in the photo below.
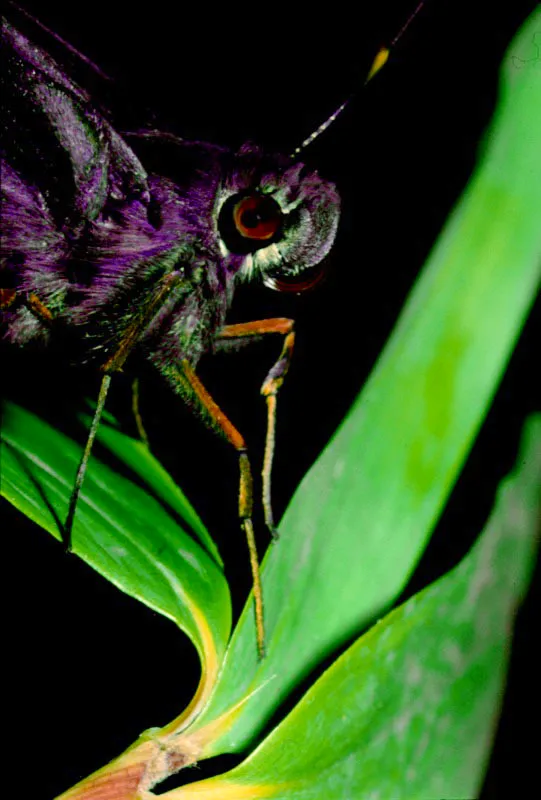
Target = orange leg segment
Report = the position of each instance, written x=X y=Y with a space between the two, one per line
x=7 y=298
x=39 y=309
x=12 y=298
x=269 y=389
x=196 y=392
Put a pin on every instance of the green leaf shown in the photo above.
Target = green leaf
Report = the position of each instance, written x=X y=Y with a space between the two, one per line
x=409 y=710
x=363 y=515
x=138 y=539
x=141 y=461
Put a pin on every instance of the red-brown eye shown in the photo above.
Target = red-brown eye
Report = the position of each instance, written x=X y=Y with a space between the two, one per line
x=257 y=217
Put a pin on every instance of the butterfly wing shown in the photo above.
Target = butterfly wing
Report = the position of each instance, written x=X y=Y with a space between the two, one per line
x=91 y=233
x=76 y=206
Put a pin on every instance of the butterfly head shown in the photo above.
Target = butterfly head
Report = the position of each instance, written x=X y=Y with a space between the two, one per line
x=280 y=215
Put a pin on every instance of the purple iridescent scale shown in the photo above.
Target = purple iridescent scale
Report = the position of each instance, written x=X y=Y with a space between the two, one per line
x=91 y=231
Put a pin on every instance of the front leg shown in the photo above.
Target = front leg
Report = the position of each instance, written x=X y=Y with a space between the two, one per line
x=269 y=390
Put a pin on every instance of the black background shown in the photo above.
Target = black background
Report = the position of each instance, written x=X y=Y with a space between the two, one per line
x=93 y=668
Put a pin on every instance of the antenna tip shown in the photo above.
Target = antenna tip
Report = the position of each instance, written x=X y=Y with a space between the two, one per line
x=378 y=63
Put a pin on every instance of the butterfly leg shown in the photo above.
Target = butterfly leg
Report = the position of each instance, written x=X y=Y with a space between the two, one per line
x=196 y=394
x=11 y=298
x=81 y=469
x=136 y=411
x=38 y=309
x=114 y=363
x=269 y=390
x=32 y=302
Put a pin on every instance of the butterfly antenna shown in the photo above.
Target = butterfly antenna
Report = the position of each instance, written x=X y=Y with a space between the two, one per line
x=73 y=50
x=378 y=63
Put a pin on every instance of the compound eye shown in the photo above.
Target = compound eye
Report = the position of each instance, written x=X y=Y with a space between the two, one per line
x=257 y=217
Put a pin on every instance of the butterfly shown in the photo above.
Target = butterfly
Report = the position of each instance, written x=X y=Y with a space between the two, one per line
x=109 y=256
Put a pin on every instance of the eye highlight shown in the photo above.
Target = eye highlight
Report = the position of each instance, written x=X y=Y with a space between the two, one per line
x=257 y=217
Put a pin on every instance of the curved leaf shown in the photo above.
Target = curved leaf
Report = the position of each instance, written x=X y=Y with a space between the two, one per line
x=409 y=710
x=363 y=515
x=120 y=529
x=141 y=461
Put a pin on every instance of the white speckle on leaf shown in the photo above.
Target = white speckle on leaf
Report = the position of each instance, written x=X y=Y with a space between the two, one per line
x=443 y=724
x=414 y=673
x=443 y=611
x=338 y=469
x=116 y=550
x=438 y=783
x=482 y=578
x=400 y=724
x=421 y=747
x=517 y=516
x=409 y=608
x=454 y=656
x=189 y=558
x=411 y=774
x=384 y=636
x=381 y=740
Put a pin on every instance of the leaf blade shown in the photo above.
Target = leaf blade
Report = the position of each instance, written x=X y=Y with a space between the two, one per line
x=380 y=485
x=120 y=529
x=409 y=710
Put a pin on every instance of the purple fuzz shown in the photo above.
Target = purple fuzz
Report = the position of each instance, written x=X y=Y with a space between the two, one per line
x=90 y=231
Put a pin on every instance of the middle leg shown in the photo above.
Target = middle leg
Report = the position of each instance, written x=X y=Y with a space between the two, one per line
x=196 y=394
